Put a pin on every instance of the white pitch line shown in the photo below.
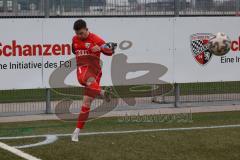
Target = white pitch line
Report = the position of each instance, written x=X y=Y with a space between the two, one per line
x=152 y=130
x=131 y=131
x=17 y=152
x=52 y=138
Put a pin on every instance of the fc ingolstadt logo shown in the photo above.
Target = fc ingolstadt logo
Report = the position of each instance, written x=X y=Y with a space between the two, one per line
x=87 y=45
x=199 y=47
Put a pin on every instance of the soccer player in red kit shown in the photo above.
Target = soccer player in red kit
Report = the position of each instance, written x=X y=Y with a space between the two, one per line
x=88 y=47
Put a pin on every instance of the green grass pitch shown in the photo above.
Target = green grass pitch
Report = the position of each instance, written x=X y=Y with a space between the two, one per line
x=211 y=144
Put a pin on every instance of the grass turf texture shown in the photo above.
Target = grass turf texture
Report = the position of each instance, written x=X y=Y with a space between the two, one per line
x=5 y=155
x=222 y=143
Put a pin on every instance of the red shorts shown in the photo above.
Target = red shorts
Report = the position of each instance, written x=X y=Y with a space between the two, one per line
x=86 y=72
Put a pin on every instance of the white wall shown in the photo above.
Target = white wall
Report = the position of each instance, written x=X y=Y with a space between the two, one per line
x=164 y=41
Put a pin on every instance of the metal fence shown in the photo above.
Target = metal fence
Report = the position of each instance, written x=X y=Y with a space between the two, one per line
x=66 y=8
x=39 y=101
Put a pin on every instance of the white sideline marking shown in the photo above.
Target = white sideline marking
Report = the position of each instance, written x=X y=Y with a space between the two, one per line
x=17 y=152
x=53 y=138
x=152 y=130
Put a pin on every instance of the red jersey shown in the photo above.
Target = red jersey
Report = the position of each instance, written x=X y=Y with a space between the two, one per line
x=84 y=55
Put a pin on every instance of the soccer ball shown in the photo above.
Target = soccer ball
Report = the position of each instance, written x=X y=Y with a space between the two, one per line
x=219 y=44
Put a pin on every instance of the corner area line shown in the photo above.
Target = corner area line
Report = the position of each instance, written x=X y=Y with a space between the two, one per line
x=17 y=152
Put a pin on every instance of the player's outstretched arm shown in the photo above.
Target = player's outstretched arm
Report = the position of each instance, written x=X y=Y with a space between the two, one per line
x=108 y=48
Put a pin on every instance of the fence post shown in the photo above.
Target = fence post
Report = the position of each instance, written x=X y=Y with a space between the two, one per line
x=4 y=6
x=145 y=8
x=15 y=7
x=154 y=98
x=46 y=9
x=62 y=10
x=176 y=8
x=176 y=94
x=48 y=101
x=237 y=7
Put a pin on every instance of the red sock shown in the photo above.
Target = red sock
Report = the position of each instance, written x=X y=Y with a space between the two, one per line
x=83 y=116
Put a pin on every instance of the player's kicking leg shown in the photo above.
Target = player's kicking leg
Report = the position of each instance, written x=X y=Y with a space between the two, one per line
x=91 y=91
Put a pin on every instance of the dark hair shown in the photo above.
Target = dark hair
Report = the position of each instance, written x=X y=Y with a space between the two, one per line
x=79 y=24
